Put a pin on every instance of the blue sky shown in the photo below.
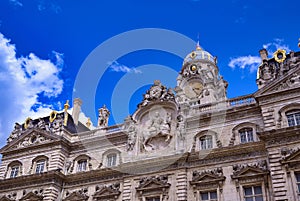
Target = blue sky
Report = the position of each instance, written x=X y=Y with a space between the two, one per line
x=44 y=43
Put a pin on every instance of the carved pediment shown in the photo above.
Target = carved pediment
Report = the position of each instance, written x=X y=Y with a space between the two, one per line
x=291 y=155
x=288 y=81
x=4 y=198
x=32 y=197
x=30 y=138
x=106 y=192
x=76 y=196
x=250 y=170
x=153 y=183
x=207 y=176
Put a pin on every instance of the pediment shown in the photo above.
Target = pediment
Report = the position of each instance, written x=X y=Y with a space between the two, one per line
x=293 y=157
x=153 y=184
x=31 y=137
x=76 y=196
x=4 y=198
x=206 y=177
x=106 y=192
x=249 y=171
x=32 y=197
x=289 y=81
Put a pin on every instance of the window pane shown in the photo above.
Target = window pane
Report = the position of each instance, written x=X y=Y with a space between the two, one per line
x=40 y=167
x=213 y=195
x=111 y=160
x=248 y=191
x=298 y=177
x=82 y=165
x=259 y=198
x=204 y=196
x=293 y=118
x=257 y=190
x=14 y=172
x=249 y=199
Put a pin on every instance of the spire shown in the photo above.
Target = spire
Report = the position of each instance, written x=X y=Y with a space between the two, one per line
x=198 y=46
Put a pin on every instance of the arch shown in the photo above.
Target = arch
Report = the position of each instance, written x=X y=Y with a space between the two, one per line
x=243 y=126
x=202 y=139
x=282 y=120
x=111 y=158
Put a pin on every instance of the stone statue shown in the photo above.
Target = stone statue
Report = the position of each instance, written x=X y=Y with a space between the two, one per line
x=57 y=124
x=293 y=61
x=221 y=90
x=15 y=133
x=132 y=133
x=158 y=126
x=103 y=117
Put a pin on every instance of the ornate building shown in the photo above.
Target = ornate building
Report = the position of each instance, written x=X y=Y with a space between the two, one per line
x=190 y=144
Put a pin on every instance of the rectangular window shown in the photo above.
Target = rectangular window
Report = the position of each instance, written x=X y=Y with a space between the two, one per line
x=112 y=160
x=211 y=196
x=206 y=142
x=293 y=118
x=82 y=165
x=298 y=180
x=253 y=193
x=153 y=199
x=40 y=165
x=246 y=135
x=14 y=171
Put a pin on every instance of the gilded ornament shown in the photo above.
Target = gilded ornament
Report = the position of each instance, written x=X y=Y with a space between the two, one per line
x=280 y=55
x=52 y=116
x=193 y=55
x=193 y=67
x=27 y=122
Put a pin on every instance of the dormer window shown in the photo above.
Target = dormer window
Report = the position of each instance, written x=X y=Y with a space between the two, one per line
x=40 y=166
x=293 y=117
x=246 y=135
x=206 y=142
x=14 y=171
x=111 y=160
x=82 y=165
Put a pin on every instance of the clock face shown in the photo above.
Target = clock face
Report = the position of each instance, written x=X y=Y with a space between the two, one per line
x=193 y=89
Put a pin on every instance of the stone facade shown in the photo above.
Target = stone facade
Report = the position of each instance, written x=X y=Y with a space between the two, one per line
x=190 y=144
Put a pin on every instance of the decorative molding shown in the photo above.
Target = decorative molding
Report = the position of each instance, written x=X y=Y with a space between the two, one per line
x=106 y=192
x=77 y=195
x=202 y=179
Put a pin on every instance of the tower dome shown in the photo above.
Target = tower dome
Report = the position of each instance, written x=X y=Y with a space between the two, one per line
x=199 y=55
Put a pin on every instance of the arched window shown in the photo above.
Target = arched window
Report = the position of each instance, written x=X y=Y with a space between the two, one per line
x=293 y=117
x=82 y=163
x=111 y=158
x=14 y=169
x=206 y=142
x=288 y=115
x=246 y=135
x=39 y=165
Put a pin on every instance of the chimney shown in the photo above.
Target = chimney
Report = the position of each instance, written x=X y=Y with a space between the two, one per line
x=76 y=109
x=263 y=55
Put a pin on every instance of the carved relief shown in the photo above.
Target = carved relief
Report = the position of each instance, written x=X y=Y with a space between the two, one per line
x=15 y=133
x=157 y=92
x=77 y=195
x=153 y=185
x=158 y=128
x=33 y=139
x=239 y=169
x=107 y=192
x=36 y=195
x=130 y=128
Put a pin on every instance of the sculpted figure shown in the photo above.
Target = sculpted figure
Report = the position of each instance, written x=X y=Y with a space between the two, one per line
x=132 y=132
x=57 y=124
x=103 y=117
x=157 y=126
x=15 y=133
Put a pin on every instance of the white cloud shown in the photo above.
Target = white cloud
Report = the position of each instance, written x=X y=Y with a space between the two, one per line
x=16 y=3
x=117 y=67
x=252 y=62
x=48 y=5
x=243 y=62
x=23 y=82
x=275 y=45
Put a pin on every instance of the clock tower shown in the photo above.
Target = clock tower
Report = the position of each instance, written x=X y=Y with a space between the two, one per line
x=199 y=80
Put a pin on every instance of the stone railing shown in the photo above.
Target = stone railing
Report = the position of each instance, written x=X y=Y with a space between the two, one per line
x=233 y=102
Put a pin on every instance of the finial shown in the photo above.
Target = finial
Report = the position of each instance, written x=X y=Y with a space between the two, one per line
x=88 y=123
x=198 y=46
x=66 y=105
